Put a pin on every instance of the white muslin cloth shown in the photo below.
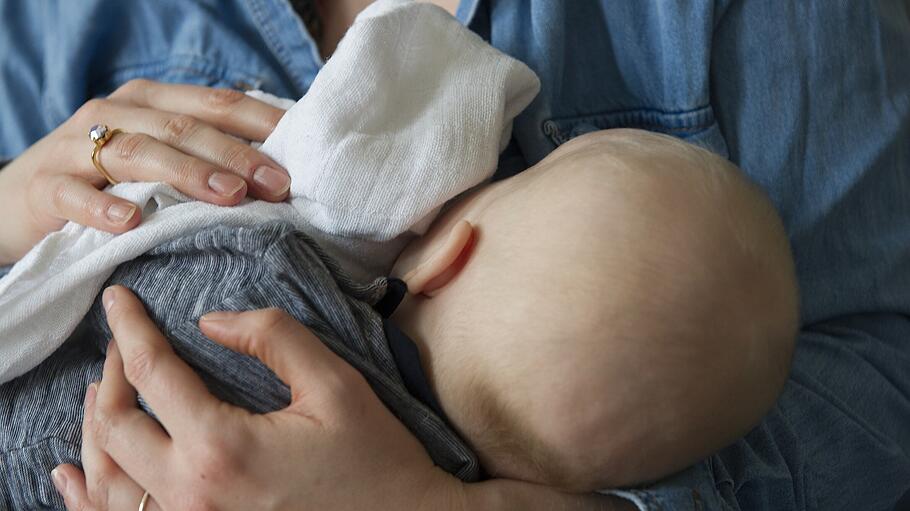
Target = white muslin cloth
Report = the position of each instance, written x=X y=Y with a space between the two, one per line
x=410 y=111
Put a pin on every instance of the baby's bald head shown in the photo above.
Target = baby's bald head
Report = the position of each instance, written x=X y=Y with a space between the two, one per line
x=638 y=252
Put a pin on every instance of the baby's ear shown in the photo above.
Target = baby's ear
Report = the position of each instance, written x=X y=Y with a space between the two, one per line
x=441 y=265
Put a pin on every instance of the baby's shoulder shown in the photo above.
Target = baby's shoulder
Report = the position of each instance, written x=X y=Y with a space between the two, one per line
x=238 y=268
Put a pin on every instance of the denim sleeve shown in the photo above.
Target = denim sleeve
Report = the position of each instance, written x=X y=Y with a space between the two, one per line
x=693 y=489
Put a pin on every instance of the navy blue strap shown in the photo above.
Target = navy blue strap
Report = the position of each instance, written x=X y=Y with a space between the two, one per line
x=395 y=291
x=407 y=358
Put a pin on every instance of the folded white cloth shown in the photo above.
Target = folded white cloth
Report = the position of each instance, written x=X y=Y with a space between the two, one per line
x=410 y=111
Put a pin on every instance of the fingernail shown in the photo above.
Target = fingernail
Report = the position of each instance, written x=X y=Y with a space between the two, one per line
x=216 y=316
x=90 y=394
x=120 y=213
x=108 y=297
x=226 y=185
x=271 y=179
x=59 y=480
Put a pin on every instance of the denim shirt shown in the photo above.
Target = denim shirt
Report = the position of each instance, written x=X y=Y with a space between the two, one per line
x=811 y=99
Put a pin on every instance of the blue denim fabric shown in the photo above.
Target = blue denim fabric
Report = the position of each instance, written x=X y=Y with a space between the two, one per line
x=56 y=54
x=810 y=98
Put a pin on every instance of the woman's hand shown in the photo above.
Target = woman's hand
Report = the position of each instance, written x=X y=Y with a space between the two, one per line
x=184 y=135
x=335 y=446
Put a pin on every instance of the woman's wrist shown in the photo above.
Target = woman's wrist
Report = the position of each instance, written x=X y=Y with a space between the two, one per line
x=14 y=240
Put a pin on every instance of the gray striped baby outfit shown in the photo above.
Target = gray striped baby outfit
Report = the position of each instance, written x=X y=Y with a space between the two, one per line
x=219 y=269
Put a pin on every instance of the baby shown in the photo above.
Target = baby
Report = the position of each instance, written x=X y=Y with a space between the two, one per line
x=616 y=312
x=613 y=314
x=626 y=262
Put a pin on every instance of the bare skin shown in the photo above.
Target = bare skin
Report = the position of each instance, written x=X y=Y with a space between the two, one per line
x=520 y=284
x=180 y=134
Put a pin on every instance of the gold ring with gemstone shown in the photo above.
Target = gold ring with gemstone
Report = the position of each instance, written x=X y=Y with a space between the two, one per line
x=100 y=134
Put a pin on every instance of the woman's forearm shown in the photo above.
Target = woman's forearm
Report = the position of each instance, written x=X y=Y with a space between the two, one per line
x=13 y=237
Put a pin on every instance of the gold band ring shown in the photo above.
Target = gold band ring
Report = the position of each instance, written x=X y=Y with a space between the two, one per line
x=100 y=134
x=144 y=501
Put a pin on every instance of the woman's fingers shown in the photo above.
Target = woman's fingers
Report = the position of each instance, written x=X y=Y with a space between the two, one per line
x=73 y=199
x=177 y=148
x=70 y=484
x=112 y=424
x=297 y=356
x=101 y=485
x=141 y=157
x=97 y=465
x=174 y=392
x=111 y=394
x=69 y=480
x=266 y=179
x=129 y=438
x=228 y=110
x=178 y=143
x=122 y=492
x=194 y=140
